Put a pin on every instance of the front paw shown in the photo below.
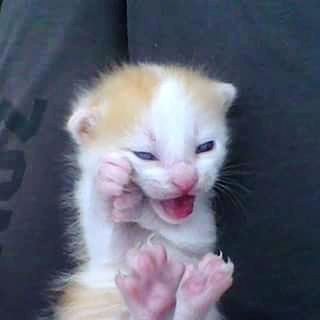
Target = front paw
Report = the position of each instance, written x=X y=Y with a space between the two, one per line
x=202 y=286
x=113 y=183
x=127 y=207
x=113 y=175
x=149 y=290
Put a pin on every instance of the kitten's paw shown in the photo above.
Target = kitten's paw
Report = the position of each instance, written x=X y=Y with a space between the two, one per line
x=203 y=286
x=113 y=182
x=113 y=175
x=127 y=207
x=150 y=288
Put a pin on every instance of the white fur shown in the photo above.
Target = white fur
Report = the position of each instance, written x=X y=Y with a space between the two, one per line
x=177 y=129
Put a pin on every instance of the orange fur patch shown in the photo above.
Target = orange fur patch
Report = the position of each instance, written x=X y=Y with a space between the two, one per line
x=82 y=303
x=122 y=96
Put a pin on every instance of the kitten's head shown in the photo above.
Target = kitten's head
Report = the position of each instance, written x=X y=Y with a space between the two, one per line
x=168 y=121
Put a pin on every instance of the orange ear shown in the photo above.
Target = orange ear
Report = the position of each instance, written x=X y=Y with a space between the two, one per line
x=81 y=124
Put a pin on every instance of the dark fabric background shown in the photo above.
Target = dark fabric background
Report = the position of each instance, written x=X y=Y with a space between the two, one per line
x=47 y=49
x=269 y=49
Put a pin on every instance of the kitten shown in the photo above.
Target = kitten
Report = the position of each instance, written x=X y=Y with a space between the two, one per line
x=151 y=140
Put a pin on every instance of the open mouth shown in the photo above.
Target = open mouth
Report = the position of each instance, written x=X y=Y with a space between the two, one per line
x=177 y=209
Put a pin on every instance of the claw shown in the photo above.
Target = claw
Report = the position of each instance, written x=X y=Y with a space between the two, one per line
x=229 y=266
x=150 y=238
x=138 y=245
x=122 y=273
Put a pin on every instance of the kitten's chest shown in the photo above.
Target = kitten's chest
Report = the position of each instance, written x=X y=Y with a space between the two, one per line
x=173 y=251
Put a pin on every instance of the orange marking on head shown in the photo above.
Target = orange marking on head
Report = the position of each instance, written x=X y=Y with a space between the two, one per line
x=122 y=96
x=120 y=100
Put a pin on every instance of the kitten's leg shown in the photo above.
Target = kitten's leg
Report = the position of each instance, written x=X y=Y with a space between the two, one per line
x=202 y=286
x=150 y=288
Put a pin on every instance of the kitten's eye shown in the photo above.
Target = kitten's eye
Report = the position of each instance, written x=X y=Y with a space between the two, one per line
x=144 y=155
x=204 y=147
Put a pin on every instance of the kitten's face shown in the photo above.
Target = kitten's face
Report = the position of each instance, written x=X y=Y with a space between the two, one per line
x=177 y=151
x=168 y=121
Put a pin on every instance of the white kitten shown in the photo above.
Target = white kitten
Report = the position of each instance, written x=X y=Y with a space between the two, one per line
x=151 y=141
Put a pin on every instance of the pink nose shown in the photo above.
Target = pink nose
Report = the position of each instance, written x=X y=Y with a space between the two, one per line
x=184 y=176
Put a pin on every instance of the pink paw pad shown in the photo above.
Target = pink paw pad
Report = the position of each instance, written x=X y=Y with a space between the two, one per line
x=150 y=288
x=203 y=285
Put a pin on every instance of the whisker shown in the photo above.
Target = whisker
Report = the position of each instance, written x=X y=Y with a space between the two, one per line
x=231 y=194
x=234 y=183
x=236 y=172
x=221 y=192
x=236 y=165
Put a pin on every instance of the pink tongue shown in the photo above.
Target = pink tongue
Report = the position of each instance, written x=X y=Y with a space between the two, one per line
x=178 y=208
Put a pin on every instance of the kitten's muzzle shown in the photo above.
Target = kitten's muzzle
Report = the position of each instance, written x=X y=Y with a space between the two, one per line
x=184 y=177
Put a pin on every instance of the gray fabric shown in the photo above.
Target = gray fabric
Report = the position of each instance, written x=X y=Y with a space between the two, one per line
x=47 y=49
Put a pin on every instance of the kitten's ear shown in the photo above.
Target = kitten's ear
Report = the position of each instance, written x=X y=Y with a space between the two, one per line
x=81 y=124
x=229 y=93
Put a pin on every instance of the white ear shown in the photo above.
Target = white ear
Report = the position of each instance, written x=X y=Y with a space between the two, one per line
x=228 y=92
x=81 y=124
